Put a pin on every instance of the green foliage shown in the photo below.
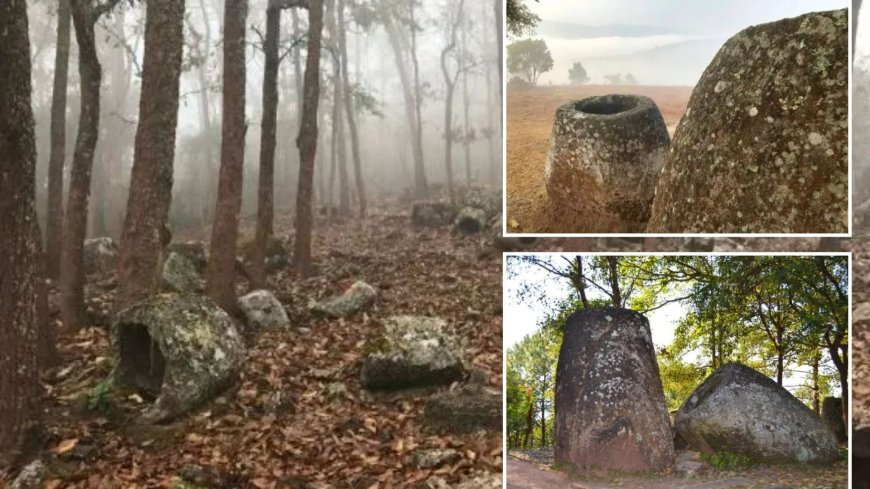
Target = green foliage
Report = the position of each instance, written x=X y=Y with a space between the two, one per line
x=529 y=58
x=365 y=101
x=98 y=397
x=520 y=20
x=577 y=74
x=531 y=382
x=724 y=460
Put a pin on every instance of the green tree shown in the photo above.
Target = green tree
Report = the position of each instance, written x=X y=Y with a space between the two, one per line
x=529 y=58
x=577 y=74
x=534 y=361
x=520 y=20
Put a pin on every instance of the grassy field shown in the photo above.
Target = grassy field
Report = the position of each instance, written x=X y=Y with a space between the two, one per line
x=529 y=122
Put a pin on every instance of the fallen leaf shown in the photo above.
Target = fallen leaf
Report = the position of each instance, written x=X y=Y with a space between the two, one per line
x=65 y=446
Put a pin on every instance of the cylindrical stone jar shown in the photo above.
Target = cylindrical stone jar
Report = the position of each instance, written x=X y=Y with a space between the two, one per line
x=604 y=160
x=611 y=413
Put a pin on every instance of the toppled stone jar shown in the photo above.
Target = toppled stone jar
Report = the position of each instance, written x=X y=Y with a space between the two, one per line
x=180 y=349
x=604 y=158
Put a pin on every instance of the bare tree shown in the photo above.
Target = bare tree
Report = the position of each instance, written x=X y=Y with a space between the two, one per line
x=54 y=216
x=85 y=14
x=349 y=107
x=453 y=15
x=19 y=240
x=266 y=184
x=221 y=275
x=146 y=227
x=307 y=141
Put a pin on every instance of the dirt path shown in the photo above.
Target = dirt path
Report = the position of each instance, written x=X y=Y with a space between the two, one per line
x=522 y=474
x=529 y=122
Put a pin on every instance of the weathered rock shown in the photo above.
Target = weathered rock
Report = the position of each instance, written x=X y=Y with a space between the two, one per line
x=469 y=408
x=487 y=199
x=763 y=146
x=610 y=407
x=180 y=275
x=262 y=310
x=739 y=410
x=691 y=468
x=832 y=415
x=432 y=214
x=358 y=297
x=30 y=477
x=434 y=457
x=413 y=351
x=100 y=255
x=469 y=220
x=182 y=349
x=193 y=251
x=477 y=480
x=604 y=158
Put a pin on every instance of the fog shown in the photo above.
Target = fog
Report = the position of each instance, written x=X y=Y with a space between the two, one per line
x=659 y=43
x=384 y=131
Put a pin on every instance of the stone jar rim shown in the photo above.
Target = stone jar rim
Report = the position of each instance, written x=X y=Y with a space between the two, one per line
x=606 y=106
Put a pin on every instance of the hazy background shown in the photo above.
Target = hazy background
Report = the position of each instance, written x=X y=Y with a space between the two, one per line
x=660 y=43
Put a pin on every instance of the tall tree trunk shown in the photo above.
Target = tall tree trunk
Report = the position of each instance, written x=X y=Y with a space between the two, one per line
x=266 y=187
x=466 y=137
x=351 y=116
x=307 y=141
x=450 y=83
x=54 y=216
x=780 y=355
x=410 y=103
x=421 y=185
x=543 y=423
x=209 y=169
x=815 y=388
x=338 y=125
x=146 y=227
x=221 y=273
x=297 y=69
x=530 y=420
x=19 y=240
x=72 y=279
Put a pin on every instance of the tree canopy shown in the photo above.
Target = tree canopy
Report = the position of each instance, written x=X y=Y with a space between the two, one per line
x=529 y=58
x=785 y=316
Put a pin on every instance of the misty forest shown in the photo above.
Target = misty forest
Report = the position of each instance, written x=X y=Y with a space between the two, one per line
x=232 y=232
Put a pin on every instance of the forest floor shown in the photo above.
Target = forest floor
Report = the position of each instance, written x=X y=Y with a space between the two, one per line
x=299 y=418
x=529 y=124
x=530 y=472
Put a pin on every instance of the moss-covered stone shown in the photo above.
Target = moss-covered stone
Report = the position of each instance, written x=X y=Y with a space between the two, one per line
x=193 y=251
x=432 y=214
x=100 y=255
x=469 y=220
x=358 y=297
x=413 y=351
x=180 y=274
x=763 y=146
x=741 y=411
x=605 y=155
x=469 y=408
x=181 y=349
x=262 y=310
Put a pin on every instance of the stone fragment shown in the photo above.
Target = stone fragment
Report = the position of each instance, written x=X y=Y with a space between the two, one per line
x=180 y=274
x=358 y=297
x=469 y=220
x=469 y=408
x=413 y=351
x=262 y=310
x=100 y=255
x=432 y=214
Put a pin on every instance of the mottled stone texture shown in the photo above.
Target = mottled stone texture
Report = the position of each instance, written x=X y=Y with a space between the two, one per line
x=764 y=142
x=180 y=274
x=262 y=310
x=610 y=408
x=432 y=214
x=183 y=349
x=413 y=351
x=739 y=410
x=360 y=296
x=100 y=255
x=832 y=415
x=469 y=220
x=605 y=155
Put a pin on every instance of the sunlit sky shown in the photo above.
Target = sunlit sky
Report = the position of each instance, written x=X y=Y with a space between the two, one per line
x=682 y=35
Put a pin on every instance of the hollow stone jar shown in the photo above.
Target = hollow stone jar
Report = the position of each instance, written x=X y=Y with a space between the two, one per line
x=605 y=156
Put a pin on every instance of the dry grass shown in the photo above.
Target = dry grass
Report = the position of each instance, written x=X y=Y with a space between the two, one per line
x=529 y=122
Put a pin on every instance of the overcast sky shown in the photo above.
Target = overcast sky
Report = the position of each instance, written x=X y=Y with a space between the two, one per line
x=704 y=17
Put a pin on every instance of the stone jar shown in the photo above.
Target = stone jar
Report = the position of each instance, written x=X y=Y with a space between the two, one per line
x=604 y=159
x=611 y=413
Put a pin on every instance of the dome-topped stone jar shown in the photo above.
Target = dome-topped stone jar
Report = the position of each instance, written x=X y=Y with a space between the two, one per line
x=604 y=159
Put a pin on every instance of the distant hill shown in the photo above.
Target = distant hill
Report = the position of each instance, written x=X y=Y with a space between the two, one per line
x=566 y=30
x=682 y=63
